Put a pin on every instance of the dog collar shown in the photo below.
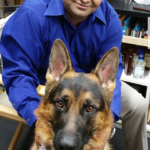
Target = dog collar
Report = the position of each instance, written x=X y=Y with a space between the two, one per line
x=43 y=147
x=113 y=130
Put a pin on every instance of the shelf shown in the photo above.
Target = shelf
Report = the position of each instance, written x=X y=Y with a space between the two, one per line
x=135 y=41
x=131 y=79
x=127 y=9
x=11 y=9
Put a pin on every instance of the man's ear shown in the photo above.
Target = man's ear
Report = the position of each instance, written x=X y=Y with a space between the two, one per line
x=107 y=68
x=59 y=61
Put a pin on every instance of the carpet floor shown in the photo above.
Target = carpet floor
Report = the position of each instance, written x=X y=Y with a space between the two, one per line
x=8 y=127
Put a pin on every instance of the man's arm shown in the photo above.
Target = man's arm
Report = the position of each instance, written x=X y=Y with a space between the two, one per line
x=21 y=47
x=114 y=39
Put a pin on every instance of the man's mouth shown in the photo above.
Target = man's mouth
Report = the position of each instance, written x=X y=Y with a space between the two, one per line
x=81 y=6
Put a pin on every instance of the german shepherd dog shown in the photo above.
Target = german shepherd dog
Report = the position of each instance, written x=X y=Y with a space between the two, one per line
x=76 y=105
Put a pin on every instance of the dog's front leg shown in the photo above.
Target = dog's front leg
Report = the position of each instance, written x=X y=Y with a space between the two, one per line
x=96 y=143
x=93 y=143
x=35 y=147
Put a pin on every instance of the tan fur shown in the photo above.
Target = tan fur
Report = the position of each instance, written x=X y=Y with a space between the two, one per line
x=103 y=120
x=45 y=112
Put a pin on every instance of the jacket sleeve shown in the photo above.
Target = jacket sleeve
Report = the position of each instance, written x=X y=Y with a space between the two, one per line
x=114 y=39
x=21 y=46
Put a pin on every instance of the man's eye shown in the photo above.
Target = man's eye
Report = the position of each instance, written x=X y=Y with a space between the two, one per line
x=60 y=104
x=90 y=108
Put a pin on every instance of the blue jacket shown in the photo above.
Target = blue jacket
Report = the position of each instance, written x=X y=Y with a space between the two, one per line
x=26 y=43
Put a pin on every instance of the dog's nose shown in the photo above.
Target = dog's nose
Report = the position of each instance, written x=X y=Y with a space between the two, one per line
x=67 y=143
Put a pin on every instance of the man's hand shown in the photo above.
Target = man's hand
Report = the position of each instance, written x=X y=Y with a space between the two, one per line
x=37 y=139
x=104 y=136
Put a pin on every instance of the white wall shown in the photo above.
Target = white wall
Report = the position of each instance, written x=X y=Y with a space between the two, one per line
x=3 y=22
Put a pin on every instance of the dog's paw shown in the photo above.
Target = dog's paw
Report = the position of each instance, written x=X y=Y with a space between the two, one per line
x=92 y=147
x=87 y=147
x=95 y=143
x=34 y=146
x=52 y=148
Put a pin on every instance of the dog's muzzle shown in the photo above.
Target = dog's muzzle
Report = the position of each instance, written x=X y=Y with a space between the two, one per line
x=67 y=141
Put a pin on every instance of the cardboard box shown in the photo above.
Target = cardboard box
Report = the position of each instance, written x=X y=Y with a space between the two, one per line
x=11 y=2
x=18 y=2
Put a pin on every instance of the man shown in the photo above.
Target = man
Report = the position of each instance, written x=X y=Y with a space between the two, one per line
x=89 y=28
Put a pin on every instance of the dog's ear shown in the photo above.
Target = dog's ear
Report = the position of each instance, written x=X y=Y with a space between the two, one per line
x=59 y=61
x=107 y=68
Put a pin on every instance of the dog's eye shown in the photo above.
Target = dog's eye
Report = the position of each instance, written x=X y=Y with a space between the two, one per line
x=60 y=104
x=90 y=108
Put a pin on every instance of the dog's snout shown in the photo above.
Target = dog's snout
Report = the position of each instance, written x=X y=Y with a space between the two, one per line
x=68 y=142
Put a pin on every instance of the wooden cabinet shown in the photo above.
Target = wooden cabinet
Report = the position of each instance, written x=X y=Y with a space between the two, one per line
x=2 y=5
x=11 y=3
x=2 y=13
x=18 y=2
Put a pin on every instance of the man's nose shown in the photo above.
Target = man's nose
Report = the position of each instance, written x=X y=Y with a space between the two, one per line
x=68 y=142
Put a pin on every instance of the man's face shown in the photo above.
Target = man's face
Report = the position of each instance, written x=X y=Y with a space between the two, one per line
x=81 y=8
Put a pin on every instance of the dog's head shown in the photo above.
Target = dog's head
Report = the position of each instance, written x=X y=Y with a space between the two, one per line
x=76 y=105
